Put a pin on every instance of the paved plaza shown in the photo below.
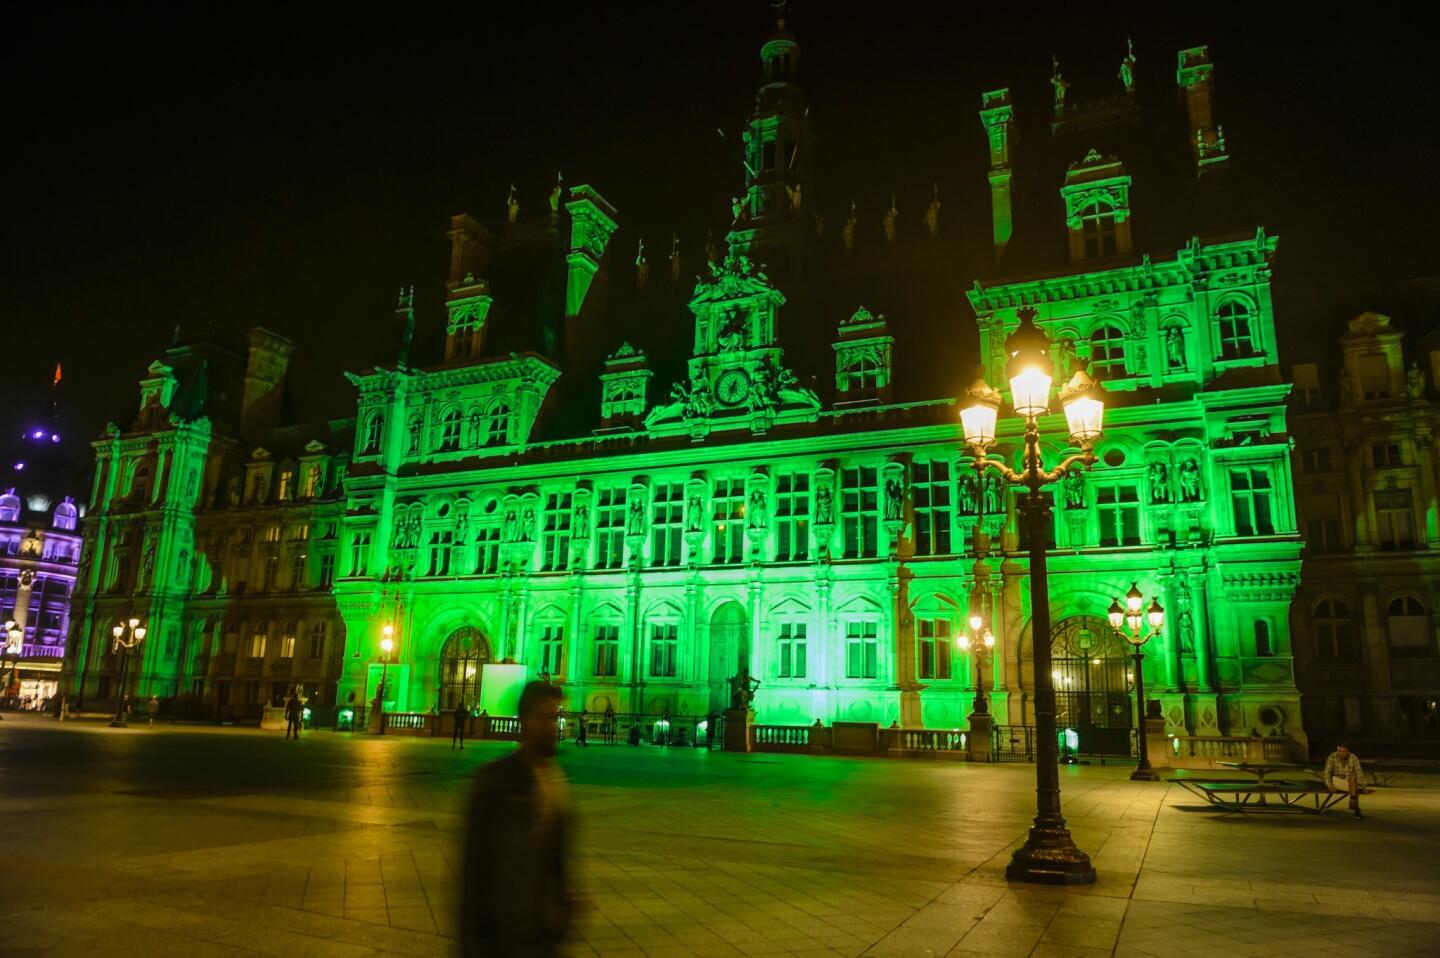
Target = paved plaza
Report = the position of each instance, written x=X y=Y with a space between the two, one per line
x=196 y=842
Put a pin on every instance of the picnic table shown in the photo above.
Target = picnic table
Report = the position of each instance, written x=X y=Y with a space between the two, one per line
x=1236 y=794
x=1262 y=769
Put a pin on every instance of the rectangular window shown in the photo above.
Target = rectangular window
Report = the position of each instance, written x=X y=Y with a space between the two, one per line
x=1322 y=525
x=441 y=545
x=727 y=513
x=1374 y=377
x=327 y=570
x=258 y=641
x=607 y=650
x=1394 y=514
x=360 y=553
x=487 y=550
x=667 y=521
x=287 y=646
x=664 y=642
x=792 y=517
x=272 y=533
x=934 y=638
x=930 y=491
x=862 y=650
x=1251 y=500
x=610 y=529
x=271 y=572
x=555 y=542
x=317 y=639
x=859 y=502
x=552 y=650
x=1306 y=377
x=1316 y=460
x=792 y=650
x=297 y=570
x=1118 y=508
x=1386 y=454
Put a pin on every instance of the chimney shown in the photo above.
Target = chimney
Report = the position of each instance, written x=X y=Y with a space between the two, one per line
x=998 y=116
x=264 y=390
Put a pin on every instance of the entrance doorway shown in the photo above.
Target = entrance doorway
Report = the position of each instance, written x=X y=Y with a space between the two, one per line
x=1090 y=665
x=729 y=651
x=462 y=663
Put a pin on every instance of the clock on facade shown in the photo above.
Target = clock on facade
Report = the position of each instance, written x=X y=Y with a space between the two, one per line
x=732 y=387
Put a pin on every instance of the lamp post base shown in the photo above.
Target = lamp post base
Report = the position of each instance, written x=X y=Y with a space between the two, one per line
x=1146 y=774
x=1049 y=857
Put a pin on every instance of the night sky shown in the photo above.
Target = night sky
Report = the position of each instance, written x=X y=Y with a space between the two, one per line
x=293 y=173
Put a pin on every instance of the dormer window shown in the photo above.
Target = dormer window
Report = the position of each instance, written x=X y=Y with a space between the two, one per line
x=9 y=507
x=287 y=484
x=1107 y=350
x=1098 y=229
x=370 y=435
x=312 y=482
x=1237 y=337
x=65 y=515
x=499 y=430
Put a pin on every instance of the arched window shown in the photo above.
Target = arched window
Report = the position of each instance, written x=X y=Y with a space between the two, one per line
x=462 y=662
x=65 y=514
x=9 y=506
x=450 y=430
x=1335 y=632
x=317 y=639
x=1237 y=338
x=1097 y=226
x=1107 y=350
x=1262 y=638
x=1408 y=625
x=499 y=424
x=370 y=435
x=140 y=482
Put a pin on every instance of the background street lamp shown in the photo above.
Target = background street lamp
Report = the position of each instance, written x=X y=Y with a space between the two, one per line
x=128 y=635
x=10 y=653
x=1049 y=854
x=979 y=637
x=387 y=645
x=1129 y=623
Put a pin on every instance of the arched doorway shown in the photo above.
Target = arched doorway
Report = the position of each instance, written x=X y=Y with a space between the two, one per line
x=729 y=651
x=1090 y=666
x=462 y=662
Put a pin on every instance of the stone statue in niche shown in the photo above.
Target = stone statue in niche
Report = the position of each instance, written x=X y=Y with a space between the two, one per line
x=1415 y=382
x=1160 y=482
x=737 y=208
x=527 y=524
x=894 y=500
x=847 y=232
x=232 y=491
x=182 y=569
x=555 y=196
x=755 y=511
x=147 y=567
x=675 y=261
x=1190 y=490
x=1175 y=348
x=793 y=193
x=993 y=487
x=967 y=493
x=1187 y=632
x=824 y=505
x=732 y=331
x=1074 y=486
x=695 y=516
x=580 y=527
x=1062 y=353
x=509 y=527
x=635 y=522
x=512 y=207
x=887 y=222
x=414 y=430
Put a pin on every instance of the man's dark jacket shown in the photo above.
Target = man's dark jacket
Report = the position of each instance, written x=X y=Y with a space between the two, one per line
x=514 y=899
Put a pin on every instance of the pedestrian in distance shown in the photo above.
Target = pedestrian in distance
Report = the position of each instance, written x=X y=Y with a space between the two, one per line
x=152 y=709
x=515 y=896
x=294 y=714
x=607 y=725
x=462 y=722
x=1342 y=774
x=581 y=731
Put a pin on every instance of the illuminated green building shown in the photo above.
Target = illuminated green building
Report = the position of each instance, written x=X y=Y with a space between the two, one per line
x=833 y=541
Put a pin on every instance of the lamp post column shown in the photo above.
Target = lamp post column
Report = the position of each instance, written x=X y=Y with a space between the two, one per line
x=1143 y=771
x=1049 y=855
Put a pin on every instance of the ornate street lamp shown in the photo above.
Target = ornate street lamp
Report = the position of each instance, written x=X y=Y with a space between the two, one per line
x=12 y=641
x=387 y=645
x=1049 y=855
x=980 y=636
x=1129 y=623
x=128 y=635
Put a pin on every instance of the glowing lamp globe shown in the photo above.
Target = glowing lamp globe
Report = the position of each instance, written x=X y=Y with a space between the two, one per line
x=1084 y=404
x=978 y=416
x=1134 y=599
x=1029 y=368
x=1116 y=615
x=140 y=634
x=387 y=644
x=118 y=631
x=1156 y=615
x=963 y=641
x=976 y=622
x=989 y=639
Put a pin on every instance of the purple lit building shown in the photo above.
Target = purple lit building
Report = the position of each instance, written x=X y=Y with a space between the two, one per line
x=41 y=502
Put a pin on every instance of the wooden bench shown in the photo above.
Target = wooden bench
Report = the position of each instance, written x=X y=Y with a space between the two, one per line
x=1243 y=795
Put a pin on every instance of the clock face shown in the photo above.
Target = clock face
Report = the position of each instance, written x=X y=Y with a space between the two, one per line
x=732 y=387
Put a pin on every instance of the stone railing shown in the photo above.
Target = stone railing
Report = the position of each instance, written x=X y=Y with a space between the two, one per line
x=780 y=738
x=1208 y=749
x=860 y=738
x=919 y=742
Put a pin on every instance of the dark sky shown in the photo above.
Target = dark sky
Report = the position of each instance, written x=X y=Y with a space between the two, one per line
x=293 y=172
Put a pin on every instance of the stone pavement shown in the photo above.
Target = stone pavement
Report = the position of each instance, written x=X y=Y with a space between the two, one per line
x=197 y=842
